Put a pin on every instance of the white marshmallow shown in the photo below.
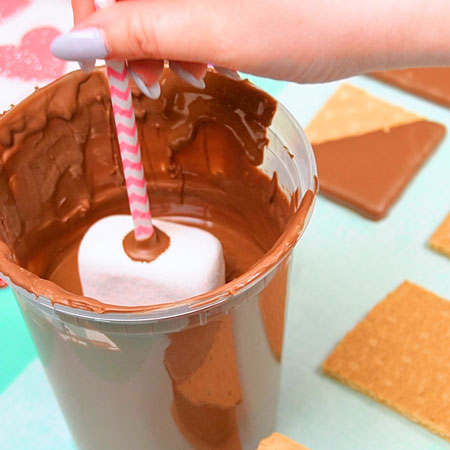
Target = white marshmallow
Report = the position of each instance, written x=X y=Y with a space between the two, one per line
x=193 y=264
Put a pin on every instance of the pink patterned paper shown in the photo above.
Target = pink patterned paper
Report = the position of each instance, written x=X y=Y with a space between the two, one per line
x=27 y=28
x=10 y=7
x=32 y=60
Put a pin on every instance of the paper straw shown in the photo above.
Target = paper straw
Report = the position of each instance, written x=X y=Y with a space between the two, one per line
x=130 y=152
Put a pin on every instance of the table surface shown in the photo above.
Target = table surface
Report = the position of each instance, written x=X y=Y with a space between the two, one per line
x=343 y=265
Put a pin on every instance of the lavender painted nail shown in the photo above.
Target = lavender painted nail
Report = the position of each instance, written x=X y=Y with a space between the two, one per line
x=80 y=45
x=153 y=91
x=186 y=76
x=87 y=66
x=227 y=72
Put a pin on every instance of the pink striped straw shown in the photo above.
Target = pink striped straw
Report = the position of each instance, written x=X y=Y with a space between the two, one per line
x=130 y=151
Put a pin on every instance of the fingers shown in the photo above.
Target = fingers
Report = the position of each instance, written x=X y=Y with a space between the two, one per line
x=227 y=72
x=82 y=9
x=146 y=74
x=149 y=71
x=196 y=69
x=147 y=30
x=137 y=39
x=190 y=72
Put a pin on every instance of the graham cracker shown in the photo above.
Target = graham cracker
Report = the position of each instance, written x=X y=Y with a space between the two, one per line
x=368 y=173
x=427 y=82
x=399 y=354
x=440 y=241
x=277 y=441
x=350 y=111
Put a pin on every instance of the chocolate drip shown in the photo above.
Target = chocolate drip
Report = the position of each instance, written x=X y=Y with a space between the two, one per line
x=146 y=250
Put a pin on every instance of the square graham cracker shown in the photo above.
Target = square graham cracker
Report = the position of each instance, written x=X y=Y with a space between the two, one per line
x=367 y=150
x=440 y=241
x=277 y=441
x=399 y=354
x=351 y=111
x=431 y=83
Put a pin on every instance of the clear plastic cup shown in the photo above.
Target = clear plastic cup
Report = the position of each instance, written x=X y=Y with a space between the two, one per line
x=204 y=375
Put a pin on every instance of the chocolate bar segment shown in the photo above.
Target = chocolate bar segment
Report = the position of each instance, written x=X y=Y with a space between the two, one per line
x=431 y=83
x=368 y=173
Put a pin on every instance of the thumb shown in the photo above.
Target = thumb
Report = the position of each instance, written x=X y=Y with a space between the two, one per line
x=169 y=30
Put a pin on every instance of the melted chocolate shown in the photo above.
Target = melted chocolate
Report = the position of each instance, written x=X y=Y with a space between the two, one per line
x=61 y=171
x=146 y=250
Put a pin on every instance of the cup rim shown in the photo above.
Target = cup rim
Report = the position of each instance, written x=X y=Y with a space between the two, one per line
x=212 y=299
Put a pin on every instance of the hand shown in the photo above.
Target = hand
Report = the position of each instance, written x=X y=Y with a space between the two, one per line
x=146 y=72
x=297 y=40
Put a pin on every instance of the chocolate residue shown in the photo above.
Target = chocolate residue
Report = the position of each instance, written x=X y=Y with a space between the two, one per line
x=60 y=172
x=201 y=363
x=272 y=303
x=146 y=250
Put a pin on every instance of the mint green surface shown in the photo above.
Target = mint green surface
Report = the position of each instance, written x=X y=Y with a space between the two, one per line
x=342 y=267
x=16 y=346
x=30 y=418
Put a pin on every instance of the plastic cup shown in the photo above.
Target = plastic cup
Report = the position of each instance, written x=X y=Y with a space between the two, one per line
x=198 y=376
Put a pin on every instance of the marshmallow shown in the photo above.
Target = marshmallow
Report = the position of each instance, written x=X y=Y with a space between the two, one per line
x=192 y=264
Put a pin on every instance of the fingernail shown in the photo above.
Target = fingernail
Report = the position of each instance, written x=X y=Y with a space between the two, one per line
x=80 y=45
x=87 y=66
x=186 y=76
x=227 y=72
x=153 y=91
x=100 y=4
